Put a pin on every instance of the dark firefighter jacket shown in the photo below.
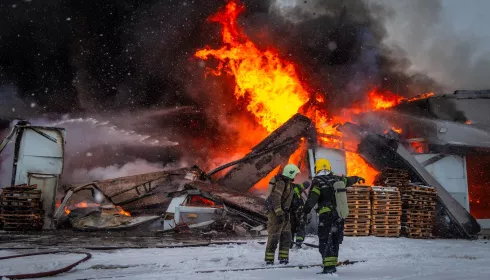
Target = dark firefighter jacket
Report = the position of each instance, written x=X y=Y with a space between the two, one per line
x=297 y=201
x=323 y=193
x=280 y=195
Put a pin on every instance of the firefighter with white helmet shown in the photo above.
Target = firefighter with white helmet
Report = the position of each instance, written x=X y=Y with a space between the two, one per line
x=278 y=203
x=329 y=192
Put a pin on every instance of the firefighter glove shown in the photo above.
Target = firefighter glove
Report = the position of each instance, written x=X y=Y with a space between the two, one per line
x=306 y=184
x=359 y=180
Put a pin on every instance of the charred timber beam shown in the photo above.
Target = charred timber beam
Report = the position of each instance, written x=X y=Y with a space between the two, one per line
x=432 y=160
x=251 y=169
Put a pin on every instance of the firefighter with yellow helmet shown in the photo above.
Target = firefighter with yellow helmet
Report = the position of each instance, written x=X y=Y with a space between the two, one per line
x=278 y=203
x=329 y=192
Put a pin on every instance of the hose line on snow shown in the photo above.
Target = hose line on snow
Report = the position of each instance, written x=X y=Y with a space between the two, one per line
x=46 y=273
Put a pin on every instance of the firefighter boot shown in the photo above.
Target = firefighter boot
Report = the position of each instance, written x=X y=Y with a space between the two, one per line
x=284 y=256
x=329 y=265
x=269 y=258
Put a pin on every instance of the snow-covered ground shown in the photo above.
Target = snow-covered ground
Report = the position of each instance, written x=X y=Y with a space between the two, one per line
x=386 y=258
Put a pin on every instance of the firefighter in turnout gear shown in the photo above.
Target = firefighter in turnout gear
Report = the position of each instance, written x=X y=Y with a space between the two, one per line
x=297 y=226
x=278 y=203
x=328 y=191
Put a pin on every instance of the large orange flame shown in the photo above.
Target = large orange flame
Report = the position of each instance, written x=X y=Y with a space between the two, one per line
x=269 y=84
x=270 y=87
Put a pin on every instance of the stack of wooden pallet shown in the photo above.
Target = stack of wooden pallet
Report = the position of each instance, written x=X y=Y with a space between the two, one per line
x=419 y=204
x=386 y=211
x=391 y=177
x=359 y=220
x=21 y=208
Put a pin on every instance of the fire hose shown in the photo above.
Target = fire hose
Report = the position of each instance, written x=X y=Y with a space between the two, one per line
x=46 y=273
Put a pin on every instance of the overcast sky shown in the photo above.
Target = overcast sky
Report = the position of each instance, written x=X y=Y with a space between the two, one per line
x=450 y=42
x=469 y=16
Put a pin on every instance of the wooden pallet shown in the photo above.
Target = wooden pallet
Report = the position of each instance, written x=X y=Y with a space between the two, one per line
x=356 y=232
x=426 y=208
x=387 y=212
x=351 y=197
x=21 y=208
x=358 y=227
x=411 y=203
x=21 y=211
x=386 y=202
x=418 y=218
x=359 y=202
x=359 y=216
x=387 y=217
x=418 y=212
x=363 y=220
x=19 y=203
x=358 y=212
x=386 y=233
x=354 y=206
x=360 y=187
x=387 y=207
x=420 y=188
x=386 y=220
x=385 y=226
x=358 y=222
x=20 y=190
x=377 y=196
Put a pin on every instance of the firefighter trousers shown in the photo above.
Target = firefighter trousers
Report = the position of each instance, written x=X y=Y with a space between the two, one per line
x=279 y=234
x=330 y=234
x=297 y=228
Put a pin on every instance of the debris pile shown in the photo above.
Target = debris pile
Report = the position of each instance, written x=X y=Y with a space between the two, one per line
x=21 y=208
x=419 y=203
x=387 y=210
x=358 y=222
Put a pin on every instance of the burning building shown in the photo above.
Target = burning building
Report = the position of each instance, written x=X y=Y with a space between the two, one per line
x=286 y=116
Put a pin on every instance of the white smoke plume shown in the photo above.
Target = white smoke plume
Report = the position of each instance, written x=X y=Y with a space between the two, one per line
x=436 y=40
x=85 y=142
x=139 y=166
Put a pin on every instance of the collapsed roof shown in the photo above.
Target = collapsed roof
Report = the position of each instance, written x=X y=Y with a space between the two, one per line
x=456 y=123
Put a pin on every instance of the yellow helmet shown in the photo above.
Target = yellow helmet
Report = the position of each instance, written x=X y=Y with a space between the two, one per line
x=322 y=164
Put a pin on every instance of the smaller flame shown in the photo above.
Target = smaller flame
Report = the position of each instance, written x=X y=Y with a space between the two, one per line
x=201 y=200
x=418 y=147
x=123 y=212
x=468 y=122
x=385 y=100
x=82 y=204
x=422 y=96
x=397 y=130
x=67 y=211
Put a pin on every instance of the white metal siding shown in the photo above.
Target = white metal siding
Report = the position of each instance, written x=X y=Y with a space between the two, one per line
x=40 y=161
x=37 y=154
x=450 y=172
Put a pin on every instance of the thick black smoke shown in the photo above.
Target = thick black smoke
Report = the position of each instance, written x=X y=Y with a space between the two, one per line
x=93 y=57
x=117 y=54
